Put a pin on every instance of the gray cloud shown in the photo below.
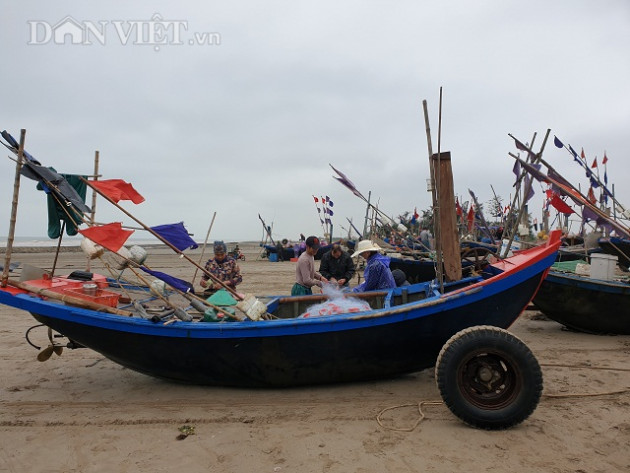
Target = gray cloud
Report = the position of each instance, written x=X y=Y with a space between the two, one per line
x=249 y=126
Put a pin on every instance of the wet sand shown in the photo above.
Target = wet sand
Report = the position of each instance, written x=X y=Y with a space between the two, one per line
x=83 y=413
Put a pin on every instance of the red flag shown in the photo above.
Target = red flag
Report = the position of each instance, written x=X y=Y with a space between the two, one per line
x=583 y=155
x=117 y=190
x=560 y=204
x=316 y=199
x=591 y=196
x=415 y=212
x=605 y=160
x=471 y=218
x=458 y=209
x=594 y=165
x=110 y=236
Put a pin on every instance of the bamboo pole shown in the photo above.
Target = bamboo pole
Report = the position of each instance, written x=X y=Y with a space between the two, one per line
x=63 y=228
x=93 y=213
x=14 y=207
x=522 y=207
x=367 y=211
x=438 y=256
x=203 y=249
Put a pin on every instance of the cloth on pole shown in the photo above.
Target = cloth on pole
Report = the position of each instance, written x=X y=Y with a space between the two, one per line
x=117 y=190
x=179 y=284
x=57 y=212
x=52 y=181
x=176 y=234
x=110 y=236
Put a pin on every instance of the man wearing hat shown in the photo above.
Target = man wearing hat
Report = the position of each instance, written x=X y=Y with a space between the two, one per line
x=222 y=267
x=305 y=275
x=376 y=273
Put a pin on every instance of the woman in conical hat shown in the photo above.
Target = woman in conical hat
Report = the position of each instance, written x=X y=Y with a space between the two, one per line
x=376 y=273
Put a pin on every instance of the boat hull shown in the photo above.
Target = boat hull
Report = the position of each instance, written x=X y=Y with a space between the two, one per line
x=404 y=334
x=585 y=304
x=359 y=349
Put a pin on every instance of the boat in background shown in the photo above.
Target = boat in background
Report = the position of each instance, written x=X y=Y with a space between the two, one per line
x=587 y=299
x=620 y=247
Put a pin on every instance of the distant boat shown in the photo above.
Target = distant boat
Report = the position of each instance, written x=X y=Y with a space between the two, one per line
x=584 y=303
x=619 y=247
x=288 y=253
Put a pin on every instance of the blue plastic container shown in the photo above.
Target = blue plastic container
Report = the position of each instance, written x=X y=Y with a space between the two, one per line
x=273 y=257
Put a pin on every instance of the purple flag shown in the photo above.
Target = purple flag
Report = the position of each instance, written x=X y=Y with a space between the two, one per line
x=176 y=234
x=178 y=284
x=557 y=142
x=516 y=169
x=347 y=182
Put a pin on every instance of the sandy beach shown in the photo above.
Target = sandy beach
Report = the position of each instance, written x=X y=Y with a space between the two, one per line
x=80 y=412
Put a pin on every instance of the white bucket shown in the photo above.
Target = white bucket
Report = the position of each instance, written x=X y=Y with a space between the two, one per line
x=603 y=266
x=514 y=247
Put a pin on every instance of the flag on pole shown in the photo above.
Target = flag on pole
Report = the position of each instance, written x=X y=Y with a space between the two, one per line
x=557 y=142
x=176 y=234
x=117 y=190
x=179 y=284
x=594 y=165
x=559 y=204
x=582 y=155
x=458 y=209
x=471 y=218
x=605 y=160
x=316 y=200
x=591 y=196
x=347 y=182
x=110 y=236
x=330 y=202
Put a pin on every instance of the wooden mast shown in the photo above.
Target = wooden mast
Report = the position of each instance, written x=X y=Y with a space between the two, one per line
x=449 y=236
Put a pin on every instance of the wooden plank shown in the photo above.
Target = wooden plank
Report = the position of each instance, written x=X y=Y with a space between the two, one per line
x=448 y=219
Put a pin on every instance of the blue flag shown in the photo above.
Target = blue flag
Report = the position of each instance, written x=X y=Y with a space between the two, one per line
x=176 y=234
x=179 y=284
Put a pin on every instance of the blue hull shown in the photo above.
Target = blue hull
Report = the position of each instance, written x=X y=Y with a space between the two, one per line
x=395 y=339
x=585 y=304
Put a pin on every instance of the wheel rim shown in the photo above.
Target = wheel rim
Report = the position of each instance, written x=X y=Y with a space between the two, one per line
x=489 y=380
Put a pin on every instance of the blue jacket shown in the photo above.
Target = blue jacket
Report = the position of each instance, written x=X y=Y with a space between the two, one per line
x=377 y=274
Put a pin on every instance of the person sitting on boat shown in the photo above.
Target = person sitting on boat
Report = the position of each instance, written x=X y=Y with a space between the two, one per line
x=376 y=273
x=337 y=266
x=425 y=239
x=223 y=268
x=400 y=277
x=305 y=275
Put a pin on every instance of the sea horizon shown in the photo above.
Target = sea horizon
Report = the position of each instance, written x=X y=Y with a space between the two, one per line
x=70 y=241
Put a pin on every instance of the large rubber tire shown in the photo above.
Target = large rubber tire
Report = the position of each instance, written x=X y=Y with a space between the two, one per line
x=488 y=377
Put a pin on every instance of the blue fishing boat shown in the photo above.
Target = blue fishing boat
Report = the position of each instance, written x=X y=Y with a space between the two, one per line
x=486 y=376
x=584 y=303
x=402 y=332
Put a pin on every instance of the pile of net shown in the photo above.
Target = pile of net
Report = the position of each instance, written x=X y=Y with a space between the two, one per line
x=336 y=304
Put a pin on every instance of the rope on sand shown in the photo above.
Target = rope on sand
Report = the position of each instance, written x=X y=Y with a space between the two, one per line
x=606 y=393
x=603 y=368
x=416 y=423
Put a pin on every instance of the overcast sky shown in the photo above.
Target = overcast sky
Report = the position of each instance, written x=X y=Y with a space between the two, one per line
x=248 y=124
